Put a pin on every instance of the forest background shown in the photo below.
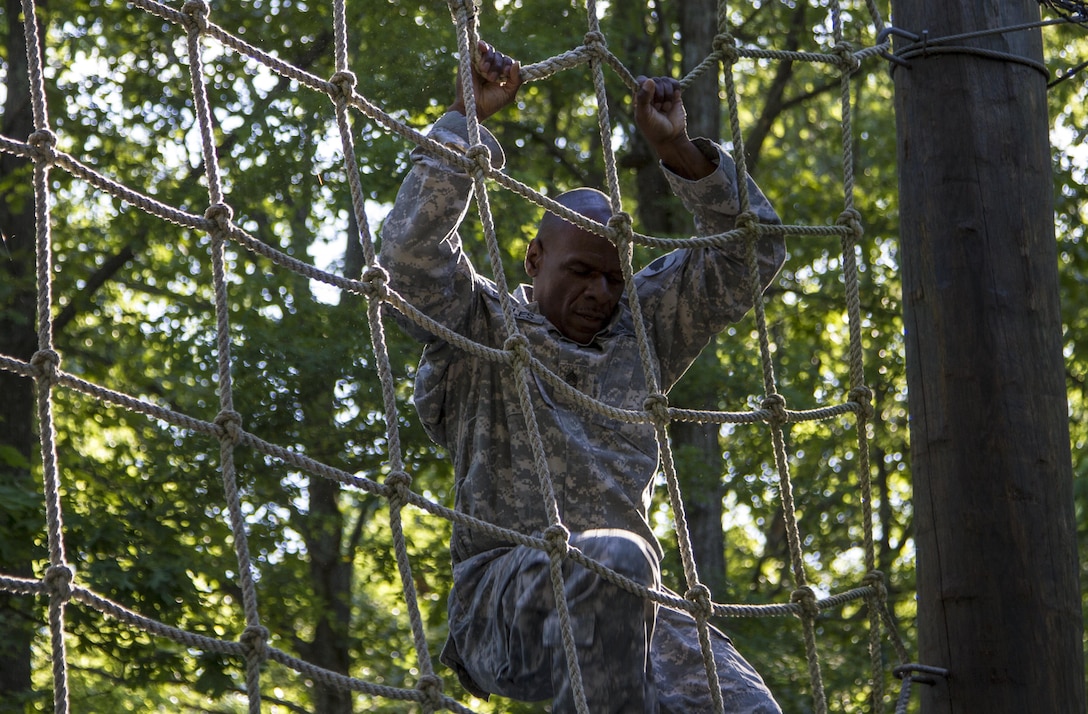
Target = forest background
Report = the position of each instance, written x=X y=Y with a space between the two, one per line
x=143 y=504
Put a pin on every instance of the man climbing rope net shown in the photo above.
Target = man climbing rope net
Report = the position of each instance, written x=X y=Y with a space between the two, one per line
x=505 y=635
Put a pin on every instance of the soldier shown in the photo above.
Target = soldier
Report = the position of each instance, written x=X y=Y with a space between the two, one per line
x=505 y=636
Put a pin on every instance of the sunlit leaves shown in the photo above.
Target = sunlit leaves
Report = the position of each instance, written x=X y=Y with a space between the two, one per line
x=145 y=512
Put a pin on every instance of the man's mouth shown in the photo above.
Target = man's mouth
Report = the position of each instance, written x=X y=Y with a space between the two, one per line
x=594 y=317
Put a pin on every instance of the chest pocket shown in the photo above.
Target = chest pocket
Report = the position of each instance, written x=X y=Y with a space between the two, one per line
x=622 y=381
x=622 y=384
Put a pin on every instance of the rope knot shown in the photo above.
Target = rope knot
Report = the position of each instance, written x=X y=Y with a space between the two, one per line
x=875 y=579
x=776 y=405
x=806 y=598
x=558 y=539
x=376 y=282
x=622 y=224
x=518 y=345
x=45 y=363
x=255 y=639
x=196 y=14
x=230 y=426
x=863 y=397
x=58 y=579
x=747 y=221
x=480 y=155
x=725 y=45
x=595 y=41
x=851 y=217
x=220 y=214
x=430 y=685
x=658 y=406
x=848 y=62
x=44 y=143
x=699 y=595
x=398 y=479
x=343 y=84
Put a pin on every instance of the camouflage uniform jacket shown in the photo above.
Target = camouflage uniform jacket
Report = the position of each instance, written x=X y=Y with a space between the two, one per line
x=602 y=469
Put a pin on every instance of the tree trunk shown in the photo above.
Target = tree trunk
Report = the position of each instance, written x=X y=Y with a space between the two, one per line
x=998 y=595
x=20 y=507
x=329 y=546
x=331 y=578
x=696 y=445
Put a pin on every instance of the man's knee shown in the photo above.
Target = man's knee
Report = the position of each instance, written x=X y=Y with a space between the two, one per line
x=621 y=551
x=611 y=625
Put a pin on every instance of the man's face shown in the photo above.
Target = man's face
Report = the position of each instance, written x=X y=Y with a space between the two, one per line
x=577 y=280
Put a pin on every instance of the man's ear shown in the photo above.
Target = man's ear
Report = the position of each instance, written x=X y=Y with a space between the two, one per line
x=532 y=258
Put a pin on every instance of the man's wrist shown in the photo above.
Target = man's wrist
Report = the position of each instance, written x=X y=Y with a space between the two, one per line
x=459 y=106
x=683 y=158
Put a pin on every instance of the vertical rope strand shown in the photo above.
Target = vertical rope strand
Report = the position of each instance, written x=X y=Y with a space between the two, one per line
x=875 y=16
x=518 y=344
x=399 y=480
x=657 y=403
x=219 y=215
x=58 y=575
x=773 y=400
x=860 y=394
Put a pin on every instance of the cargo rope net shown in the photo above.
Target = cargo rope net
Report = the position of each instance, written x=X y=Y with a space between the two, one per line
x=59 y=583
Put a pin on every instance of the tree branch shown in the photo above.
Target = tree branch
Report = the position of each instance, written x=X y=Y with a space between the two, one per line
x=775 y=102
x=100 y=277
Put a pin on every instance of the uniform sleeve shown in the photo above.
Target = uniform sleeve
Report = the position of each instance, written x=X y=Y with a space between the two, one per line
x=690 y=295
x=420 y=247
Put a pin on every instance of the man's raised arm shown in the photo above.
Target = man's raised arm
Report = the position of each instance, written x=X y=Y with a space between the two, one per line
x=420 y=246
x=691 y=295
x=660 y=116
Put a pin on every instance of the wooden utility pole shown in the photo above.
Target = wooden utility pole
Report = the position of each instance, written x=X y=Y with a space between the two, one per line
x=998 y=596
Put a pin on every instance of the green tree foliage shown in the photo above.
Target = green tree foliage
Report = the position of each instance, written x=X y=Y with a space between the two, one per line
x=145 y=518
x=1068 y=97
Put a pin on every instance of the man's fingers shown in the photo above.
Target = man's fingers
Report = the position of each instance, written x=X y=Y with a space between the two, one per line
x=494 y=66
x=486 y=59
x=646 y=89
x=667 y=90
x=660 y=92
x=502 y=67
x=497 y=68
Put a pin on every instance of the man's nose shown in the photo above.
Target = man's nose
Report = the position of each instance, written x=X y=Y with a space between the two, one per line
x=597 y=287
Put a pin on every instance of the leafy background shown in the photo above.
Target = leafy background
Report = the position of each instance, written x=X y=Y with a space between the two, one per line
x=143 y=502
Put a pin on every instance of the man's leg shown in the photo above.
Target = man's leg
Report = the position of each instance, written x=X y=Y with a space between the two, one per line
x=681 y=675
x=612 y=627
x=508 y=634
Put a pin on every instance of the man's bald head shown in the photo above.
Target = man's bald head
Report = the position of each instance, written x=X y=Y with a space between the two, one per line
x=589 y=202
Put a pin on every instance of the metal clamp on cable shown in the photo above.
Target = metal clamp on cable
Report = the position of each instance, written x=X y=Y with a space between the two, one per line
x=888 y=31
x=909 y=670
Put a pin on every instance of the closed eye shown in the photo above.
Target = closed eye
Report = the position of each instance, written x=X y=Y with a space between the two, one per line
x=583 y=270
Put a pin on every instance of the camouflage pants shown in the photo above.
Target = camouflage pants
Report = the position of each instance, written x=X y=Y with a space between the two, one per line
x=634 y=656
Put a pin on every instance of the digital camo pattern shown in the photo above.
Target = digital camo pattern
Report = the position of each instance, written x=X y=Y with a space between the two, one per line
x=602 y=469
x=512 y=631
